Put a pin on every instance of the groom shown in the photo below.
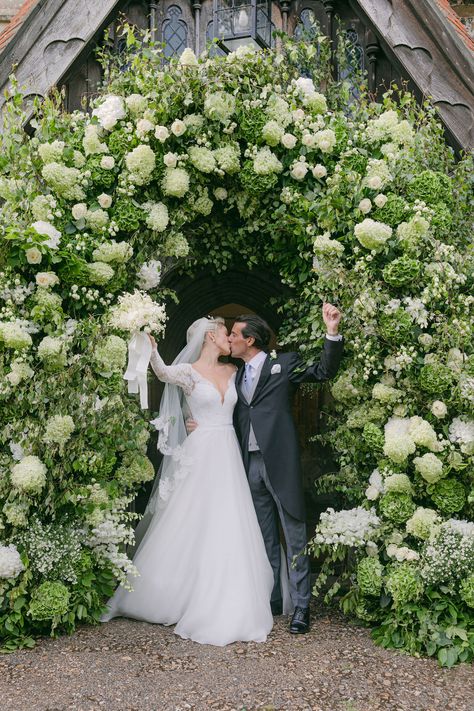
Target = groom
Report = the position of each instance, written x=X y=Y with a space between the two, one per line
x=267 y=435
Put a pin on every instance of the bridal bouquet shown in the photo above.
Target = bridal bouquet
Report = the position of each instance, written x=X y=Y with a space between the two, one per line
x=136 y=312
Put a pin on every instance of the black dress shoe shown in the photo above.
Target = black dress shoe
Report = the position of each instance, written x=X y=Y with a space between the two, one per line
x=300 y=621
x=277 y=607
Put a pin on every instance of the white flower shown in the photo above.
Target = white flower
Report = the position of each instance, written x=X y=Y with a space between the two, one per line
x=10 y=562
x=161 y=133
x=272 y=133
x=138 y=311
x=398 y=442
x=319 y=171
x=423 y=433
x=46 y=279
x=220 y=194
x=372 y=493
x=29 y=475
x=188 y=58
x=79 y=210
x=365 y=206
x=149 y=275
x=48 y=230
x=429 y=466
x=144 y=126
x=110 y=111
x=113 y=251
x=17 y=451
x=308 y=140
x=298 y=115
x=175 y=182
x=380 y=200
x=170 y=160
x=324 y=245
x=141 y=164
x=439 y=409
x=372 y=234
x=136 y=103
x=59 y=429
x=104 y=200
x=299 y=170
x=325 y=140
x=266 y=162
x=107 y=162
x=352 y=527
x=461 y=431
x=157 y=218
x=33 y=255
x=178 y=127
x=91 y=142
x=288 y=141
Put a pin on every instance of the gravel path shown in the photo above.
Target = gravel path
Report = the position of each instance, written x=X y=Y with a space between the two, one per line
x=134 y=666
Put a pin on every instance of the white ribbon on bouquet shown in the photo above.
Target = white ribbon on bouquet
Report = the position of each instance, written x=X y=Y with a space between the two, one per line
x=139 y=354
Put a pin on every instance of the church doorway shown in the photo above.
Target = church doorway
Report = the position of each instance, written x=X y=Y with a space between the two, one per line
x=229 y=294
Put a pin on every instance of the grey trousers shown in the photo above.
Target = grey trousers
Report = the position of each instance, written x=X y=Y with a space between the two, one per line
x=269 y=510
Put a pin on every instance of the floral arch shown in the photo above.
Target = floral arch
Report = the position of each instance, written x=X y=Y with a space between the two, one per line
x=201 y=164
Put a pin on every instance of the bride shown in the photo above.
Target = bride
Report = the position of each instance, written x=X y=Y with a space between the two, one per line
x=201 y=556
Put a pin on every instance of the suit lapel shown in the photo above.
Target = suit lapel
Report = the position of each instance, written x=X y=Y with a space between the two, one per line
x=264 y=375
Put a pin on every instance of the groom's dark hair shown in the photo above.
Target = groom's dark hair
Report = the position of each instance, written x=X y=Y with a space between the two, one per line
x=255 y=327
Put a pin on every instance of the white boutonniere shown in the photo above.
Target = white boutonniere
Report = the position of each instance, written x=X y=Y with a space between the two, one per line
x=273 y=355
x=275 y=369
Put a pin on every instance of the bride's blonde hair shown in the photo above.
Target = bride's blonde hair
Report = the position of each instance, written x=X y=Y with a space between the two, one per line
x=205 y=324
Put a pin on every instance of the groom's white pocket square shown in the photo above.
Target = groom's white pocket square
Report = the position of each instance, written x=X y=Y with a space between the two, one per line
x=276 y=369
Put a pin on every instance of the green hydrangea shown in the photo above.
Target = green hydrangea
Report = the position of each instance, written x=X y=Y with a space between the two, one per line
x=52 y=352
x=449 y=495
x=99 y=175
x=466 y=590
x=99 y=273
x=432 y=187
x=119 y=143
x=272 y=133
x=127 y=215
x=254 y=183
x=373 y=436
x=110 y=356
x=397 y=507
x=369 y=576
x=398 y=483
x=49 y=600
x=435 y=378
x=404 y=583
x=394 y=211
x=251 y=123
x=59 y=429
x=16 y=514
x=401 y=271
x=442 y=220
x=396 y=327
x=228 y=158
x=135 y=469
x=219 y=105
x=360 y=416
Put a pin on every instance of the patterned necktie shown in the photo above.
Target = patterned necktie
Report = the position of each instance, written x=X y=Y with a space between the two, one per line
x=248 y=379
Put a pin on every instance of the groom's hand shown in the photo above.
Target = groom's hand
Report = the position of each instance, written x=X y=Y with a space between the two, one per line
x=190 y=426
x=331 y=317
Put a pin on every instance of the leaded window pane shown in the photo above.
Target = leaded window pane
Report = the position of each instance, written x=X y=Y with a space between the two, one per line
x=175 y=32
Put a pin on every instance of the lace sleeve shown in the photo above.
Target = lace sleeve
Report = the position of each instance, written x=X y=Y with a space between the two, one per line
x=180 y=375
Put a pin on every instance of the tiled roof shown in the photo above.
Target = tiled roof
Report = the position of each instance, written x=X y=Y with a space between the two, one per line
x=15 y=23
x=453 y=17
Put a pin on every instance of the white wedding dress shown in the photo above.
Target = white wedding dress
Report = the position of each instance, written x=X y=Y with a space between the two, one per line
x=202 y=562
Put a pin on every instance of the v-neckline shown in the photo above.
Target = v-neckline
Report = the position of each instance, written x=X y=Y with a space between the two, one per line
x=203 y=377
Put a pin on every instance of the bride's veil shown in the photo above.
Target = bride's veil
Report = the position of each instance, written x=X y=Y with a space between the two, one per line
x=172 y=430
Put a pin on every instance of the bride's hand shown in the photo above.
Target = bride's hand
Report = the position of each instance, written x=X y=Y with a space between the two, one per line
x=153 y=342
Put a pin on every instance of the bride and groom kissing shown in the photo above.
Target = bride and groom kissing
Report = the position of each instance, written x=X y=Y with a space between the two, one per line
x=208 y=547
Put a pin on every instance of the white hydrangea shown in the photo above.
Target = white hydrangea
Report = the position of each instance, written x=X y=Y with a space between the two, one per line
x=422 y=523
x=385 y=393
x=461 y=431
x=376 y=487
x=144 y=126
x=423 y=434
x=136 y=104
x=409 y=233
x=401 y=553
x=380 y=128
x=59 y=429
x=354 y=527
x=63 y=181
x=141 y=164
x=19 y=371
x=42 y=207
x=96 y=219
x=219 y=105
x=99 y=273
x=111 y=110
x=188 y=58
x=202 y=158
x=324 y=245
x=278 y=109
x=372 y=234
x=378 y=174
x=157 y=218
x=91 y=142
x=113 y=251
x=149 y=275
x=14 y=335
x=10 y=562
x=220 y=194
x=429 y=466
x=272 y=133
x=265 y=162
x=46 y=229
x=310 y=96
x=175 y=182
x=466 y=388
x=29 y=475
x=398 y=443
x=50 y=152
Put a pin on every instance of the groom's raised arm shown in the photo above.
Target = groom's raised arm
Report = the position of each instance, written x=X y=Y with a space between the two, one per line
x=325 y=369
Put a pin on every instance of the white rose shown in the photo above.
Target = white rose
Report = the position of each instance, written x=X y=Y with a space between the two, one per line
x=365 y=206
x=14 y=377
x=104 y=200
x=46 y=279
x=391 y=550
x=170 y=160
x=178 y=127
x=298 y=115
x=33 y=255
x=107 y=162
x=411 y=555
x=439 y=409
x=375 y=182
x=299 y=170
x=380 y=200
x=288 y=141
x=79 y=210
x=308 y=140
x=372 y=493
x=161 y=133
x=319 y=171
